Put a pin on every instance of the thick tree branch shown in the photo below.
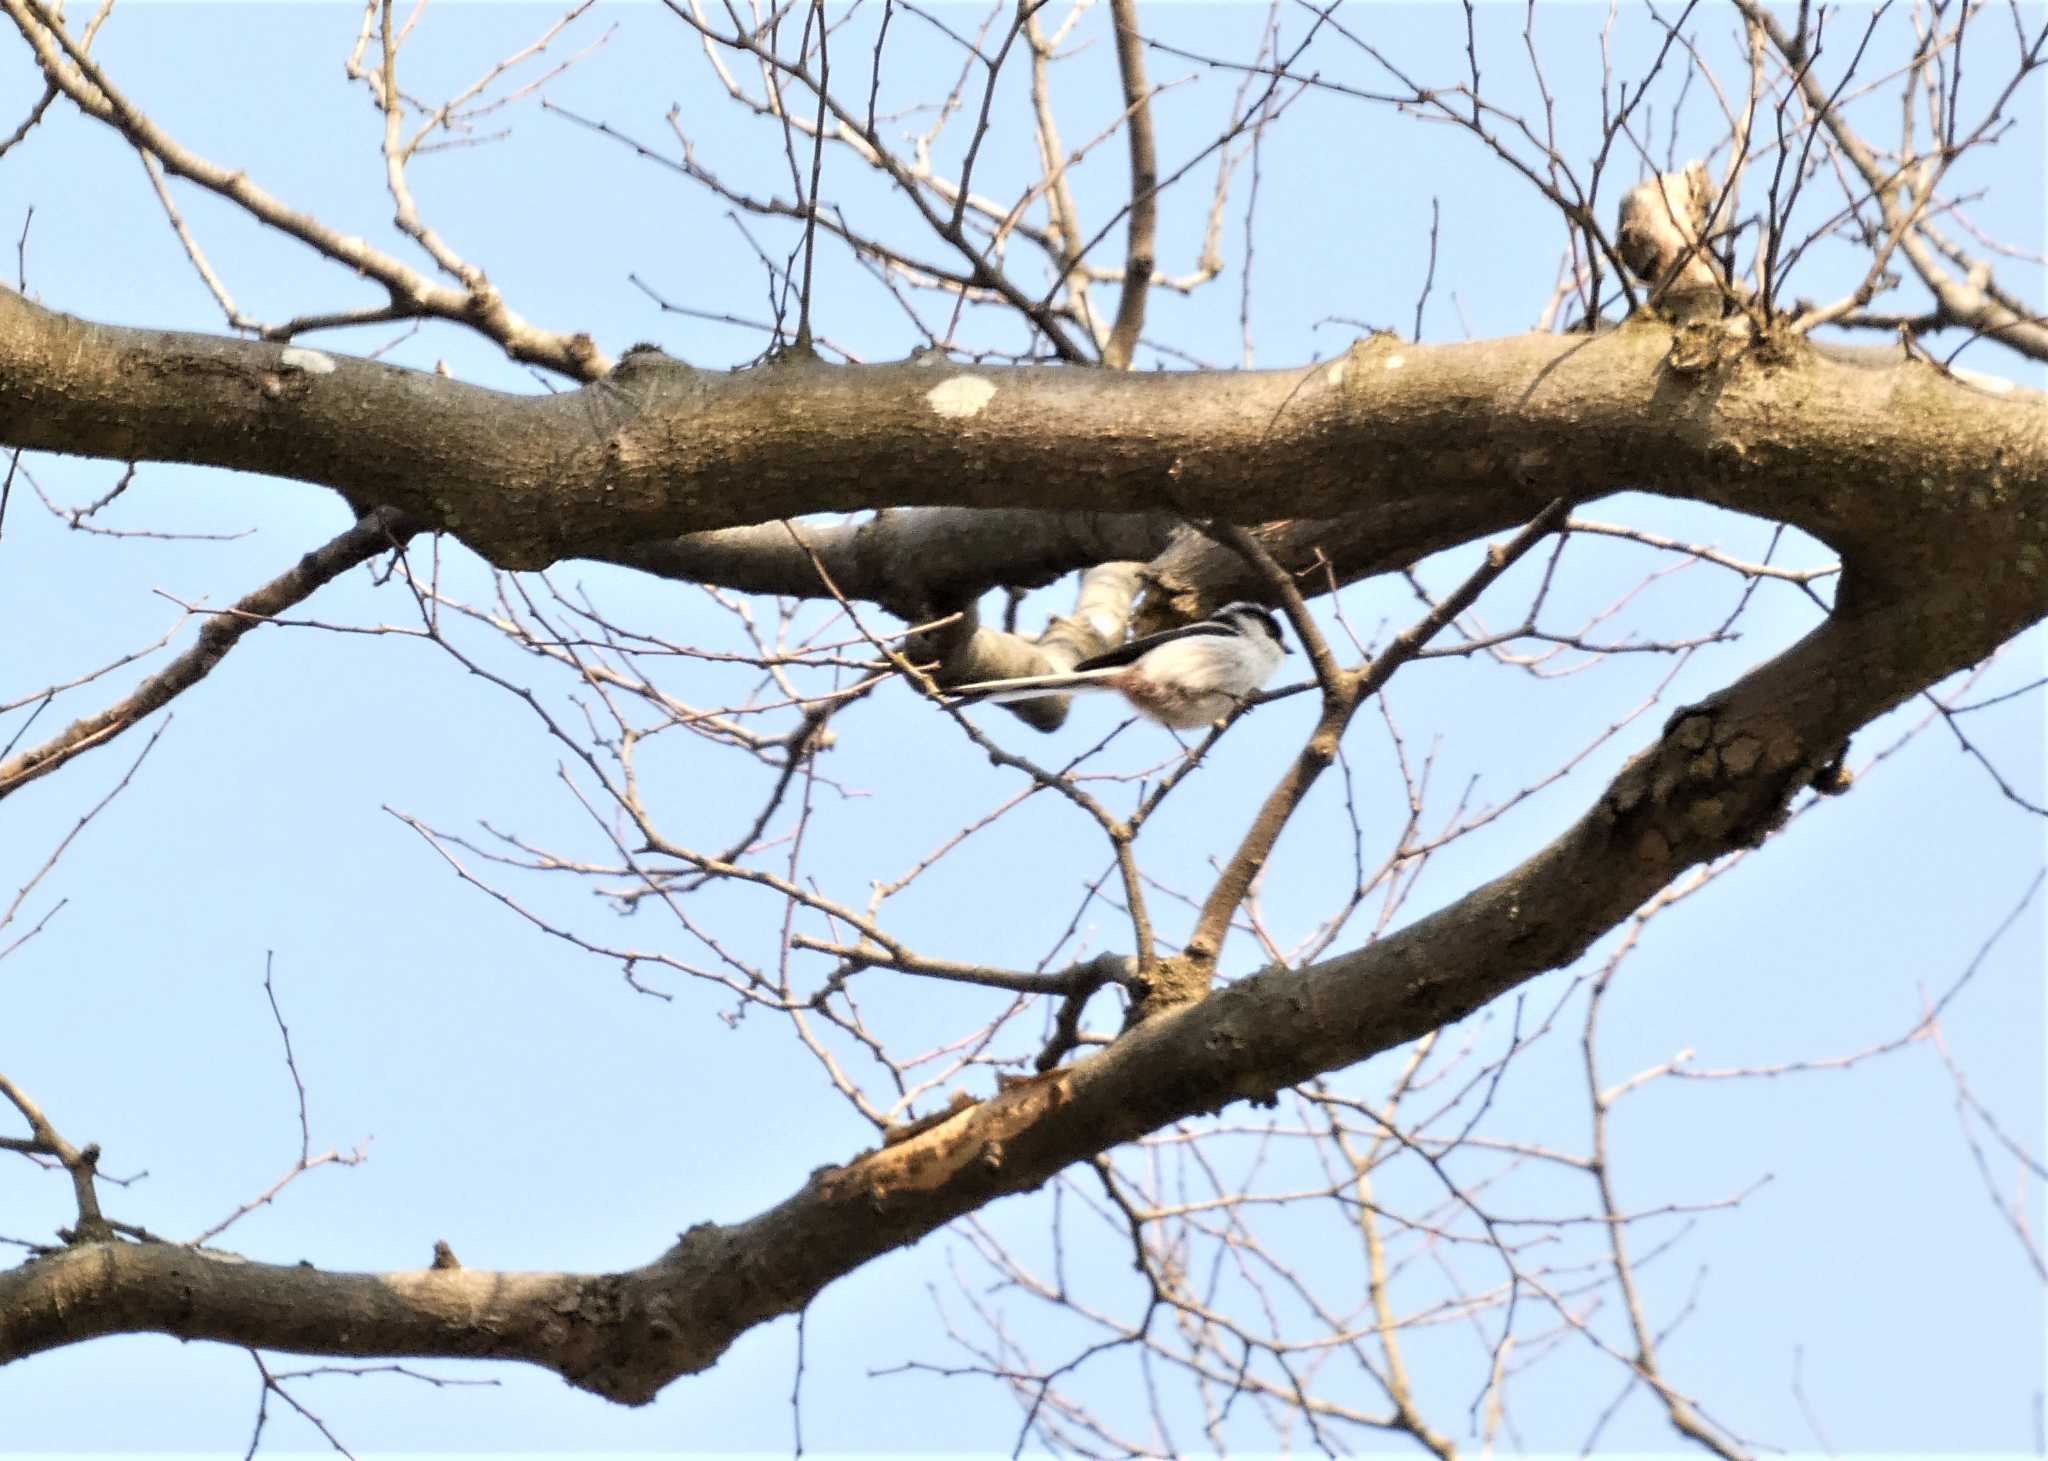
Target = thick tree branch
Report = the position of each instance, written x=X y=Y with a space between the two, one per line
x=913 y=563
x=1430 y=444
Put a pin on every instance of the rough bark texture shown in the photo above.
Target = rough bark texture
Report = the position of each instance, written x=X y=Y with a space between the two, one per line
x=1931 y=490
x=1443 y=440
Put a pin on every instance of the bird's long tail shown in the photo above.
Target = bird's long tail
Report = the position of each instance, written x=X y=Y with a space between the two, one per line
x=1031 y=687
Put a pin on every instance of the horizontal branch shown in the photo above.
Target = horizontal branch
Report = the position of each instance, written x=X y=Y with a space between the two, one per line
x=1433 y=444
x=915 y=563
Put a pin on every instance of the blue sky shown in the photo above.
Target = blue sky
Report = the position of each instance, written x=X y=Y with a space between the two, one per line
x=518 y=1100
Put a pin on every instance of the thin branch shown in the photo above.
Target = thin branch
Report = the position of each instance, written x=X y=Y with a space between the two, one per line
x=374 y=534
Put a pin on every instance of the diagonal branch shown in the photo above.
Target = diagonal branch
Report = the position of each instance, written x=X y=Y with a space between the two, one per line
x=1719 y=779
x=1962 y=301
x=478 y=304
x=222 y=631
x=1343 y=692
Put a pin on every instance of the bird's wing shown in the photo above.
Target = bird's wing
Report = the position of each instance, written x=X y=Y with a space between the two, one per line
x=1200 y=664
x=1129 y=653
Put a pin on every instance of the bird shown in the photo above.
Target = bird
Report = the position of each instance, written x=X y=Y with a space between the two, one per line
x=1183 y=678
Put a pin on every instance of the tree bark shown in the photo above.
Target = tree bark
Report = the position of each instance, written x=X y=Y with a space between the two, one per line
x=1423 y=446
x=1931 y=490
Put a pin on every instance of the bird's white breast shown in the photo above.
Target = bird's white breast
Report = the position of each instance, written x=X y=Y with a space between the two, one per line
x=1190 y=682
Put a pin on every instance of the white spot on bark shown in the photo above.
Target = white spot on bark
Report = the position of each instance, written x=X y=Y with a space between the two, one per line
x=1395 y=362
x=1335 y=375
x=297 y=357
x=960 y=395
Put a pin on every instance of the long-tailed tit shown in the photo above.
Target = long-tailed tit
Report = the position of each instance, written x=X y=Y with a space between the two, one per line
x=1185 y=677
